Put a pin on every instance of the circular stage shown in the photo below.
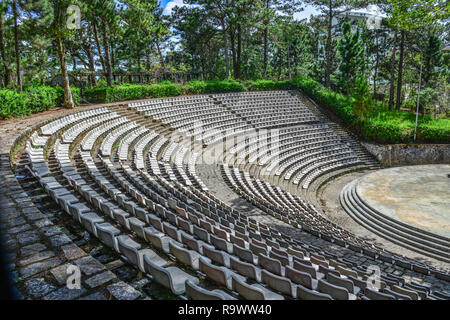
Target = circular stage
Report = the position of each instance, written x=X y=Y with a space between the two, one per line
x=409 y=205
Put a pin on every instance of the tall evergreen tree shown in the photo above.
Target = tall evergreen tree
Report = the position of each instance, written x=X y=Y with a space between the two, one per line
x=351 y=50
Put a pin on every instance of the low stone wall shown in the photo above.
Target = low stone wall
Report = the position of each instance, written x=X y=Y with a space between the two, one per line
x=409 y=154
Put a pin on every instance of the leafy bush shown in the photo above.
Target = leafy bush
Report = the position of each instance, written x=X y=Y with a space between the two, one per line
x=265 y=85
x=367 y=117
x=33 y=99
x=224 y=86
x=378 y=124
x=41 y=98
x=194 y=87
x=131 y=92
x=13 y=104
x=76 y=95
x=436 y=130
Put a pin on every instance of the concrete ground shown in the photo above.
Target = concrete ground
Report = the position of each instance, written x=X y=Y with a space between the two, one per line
x=328 y=198
x=416 y=195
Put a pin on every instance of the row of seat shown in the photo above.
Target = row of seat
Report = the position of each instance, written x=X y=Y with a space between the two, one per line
x=188 y=223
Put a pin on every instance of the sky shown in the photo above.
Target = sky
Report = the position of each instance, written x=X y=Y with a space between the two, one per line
x=168 y=5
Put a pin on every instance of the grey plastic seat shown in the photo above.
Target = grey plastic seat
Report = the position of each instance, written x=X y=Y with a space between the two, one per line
x=247 y=269
x=157 y=239
x=307 y=294
x=121 y=216
x=185 y=225
x=220 y=275
x=254 y=291
x=137 y=226
x=217 y=256
x=89 y=221
x=397 y=295
x=244 y=254
x=75 y=209
x=337 y=292
x=185 y=256
x=201 y=233
x=130 y=249
x=171 y=231
x=342 y=282
x=300 y=277
x=279 y=283
x=221 y=244
x=171 y=277
x=195 y=292
x=305 y=268
x=407 y=292
x=269 y=264
x=376 y=295
x=107 y=233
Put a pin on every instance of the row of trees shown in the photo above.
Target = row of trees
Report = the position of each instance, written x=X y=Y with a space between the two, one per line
x=242 y=39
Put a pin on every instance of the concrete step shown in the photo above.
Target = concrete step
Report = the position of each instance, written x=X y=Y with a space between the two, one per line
x=405 y=238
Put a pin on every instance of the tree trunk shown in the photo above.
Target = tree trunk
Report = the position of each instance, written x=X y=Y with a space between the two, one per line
x=233 y=50
x=225 y=47
x=109 y=76
x=238 y=53
x=16 y=44
x=68 y=99
x=266 y=35
x=99 y=47
x=289 y=62
x=90 y=55
x=266 y=31
x=163 y=65
x=400 y=71
x=377 y=61
x=392 y=76
x=8 y=71
x=328 y=48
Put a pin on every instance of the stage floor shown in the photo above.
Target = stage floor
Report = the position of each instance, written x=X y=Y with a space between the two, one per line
x=416 y=195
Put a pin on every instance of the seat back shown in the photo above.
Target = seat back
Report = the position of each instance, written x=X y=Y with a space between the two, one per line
x=195 y=292
x=299 y=277
x=247 y=291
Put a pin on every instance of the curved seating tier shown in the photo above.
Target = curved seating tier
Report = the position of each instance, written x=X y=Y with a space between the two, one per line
x=181 y=232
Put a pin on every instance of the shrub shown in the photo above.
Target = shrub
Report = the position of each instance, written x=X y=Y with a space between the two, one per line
x=437 y=131
x=33 y=99
x=41 y=98
x=76 y=95
x=194 y=87
x=378 y=125
x=229 y=85
x=265 y=85
x=13 y=104
x=125 y=92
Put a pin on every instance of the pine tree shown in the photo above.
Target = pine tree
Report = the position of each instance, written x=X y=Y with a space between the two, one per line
x=59 y=33
x=351 y=50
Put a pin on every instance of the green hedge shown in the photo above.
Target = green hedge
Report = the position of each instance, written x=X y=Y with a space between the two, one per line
x=379 y=125
x=131 y=92
x=32 y=99
x=437 y=131
x=264 y=85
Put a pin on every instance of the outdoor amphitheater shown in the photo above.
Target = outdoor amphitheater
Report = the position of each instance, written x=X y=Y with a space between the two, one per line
x=252 y=195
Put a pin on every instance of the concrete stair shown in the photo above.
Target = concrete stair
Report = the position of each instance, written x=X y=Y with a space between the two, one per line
x=405 y=235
